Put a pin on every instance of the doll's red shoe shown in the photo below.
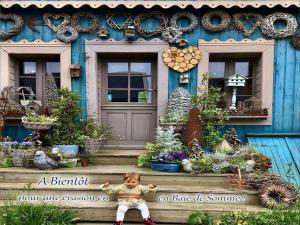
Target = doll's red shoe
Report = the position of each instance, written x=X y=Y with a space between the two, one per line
x=149 y=221
x=119 y=223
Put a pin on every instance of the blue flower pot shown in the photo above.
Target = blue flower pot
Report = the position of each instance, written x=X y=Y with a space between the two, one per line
x=69 y=151
x=165 y=167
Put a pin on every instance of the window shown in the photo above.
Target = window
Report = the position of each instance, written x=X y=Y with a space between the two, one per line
x=32 y=73
x=130 y=82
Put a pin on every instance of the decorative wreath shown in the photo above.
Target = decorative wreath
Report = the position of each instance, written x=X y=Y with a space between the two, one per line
x=276 y=195
x=110 y=20
x=240 y=25
x=61 y=34
x=296 y=41
x=75 y=22
x=269 y=29
x=193 y=21
x=48 y=16
x=172 y=35
x=224 y=17
x=19 y=24
x=147 y=33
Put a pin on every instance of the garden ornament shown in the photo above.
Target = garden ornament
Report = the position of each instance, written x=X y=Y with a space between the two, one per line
x=18 y=25
x=43 y=162
x=189 y=167
x=130 y=197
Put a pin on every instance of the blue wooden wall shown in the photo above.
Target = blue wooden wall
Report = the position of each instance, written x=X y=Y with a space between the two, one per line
x=286 y=99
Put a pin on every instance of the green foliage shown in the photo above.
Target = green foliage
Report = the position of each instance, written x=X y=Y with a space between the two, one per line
x=211 y=114
x=200 y=218
x=6 y=162
x=204 y=165
x=40 y=118
x=144 y=159
x=168 y=140
x=173 y=118
x=235 y=218
x=66 y=109
x=91 y=130
x=35 y=214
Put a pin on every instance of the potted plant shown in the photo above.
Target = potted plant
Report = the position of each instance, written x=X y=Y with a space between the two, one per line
x=66 y=133
x=38 y=122
x=18 y=150
x=173 y=119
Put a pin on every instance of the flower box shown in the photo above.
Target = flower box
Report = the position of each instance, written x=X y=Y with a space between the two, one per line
x=165 y=167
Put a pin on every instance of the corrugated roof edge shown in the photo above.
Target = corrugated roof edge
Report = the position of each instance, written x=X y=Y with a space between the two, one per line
x=273 y=134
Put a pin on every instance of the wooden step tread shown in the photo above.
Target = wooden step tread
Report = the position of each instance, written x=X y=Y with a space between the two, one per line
x=118 y=153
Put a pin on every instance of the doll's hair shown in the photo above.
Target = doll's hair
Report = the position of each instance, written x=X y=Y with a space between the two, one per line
x=135 y=175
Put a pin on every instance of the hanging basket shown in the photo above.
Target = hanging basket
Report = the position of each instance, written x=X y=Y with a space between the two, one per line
x=36 y=125
x=237 y=182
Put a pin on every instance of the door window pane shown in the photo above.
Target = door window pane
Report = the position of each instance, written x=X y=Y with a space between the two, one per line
x=54 y=69
x=216 y=69
x=242 y=68
x=219 y=83
x=117 y=96
x=118 y=82
x=141 y=82
x=141 y=96
x=28 y=82
x=28 y=69
x=140 y=68
x=117 y=68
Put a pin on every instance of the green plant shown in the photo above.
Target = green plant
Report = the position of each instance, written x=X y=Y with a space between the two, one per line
x=204 y=165
x=173 y=118
x=200 y=218
x=67 y=111
x=168 y=140
x=91 y=130
x=144 y=159
x=234 y=218
x=35 y=214
x=6 y=162
x=40 y=118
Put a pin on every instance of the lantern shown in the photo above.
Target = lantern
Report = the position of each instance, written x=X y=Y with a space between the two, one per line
x=236 y=80
x=75 y=70
x=130 y=32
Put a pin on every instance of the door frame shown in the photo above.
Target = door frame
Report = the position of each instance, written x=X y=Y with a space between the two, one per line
x=97 y=48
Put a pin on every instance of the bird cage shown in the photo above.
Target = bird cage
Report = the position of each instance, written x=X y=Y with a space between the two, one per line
x=236 y=80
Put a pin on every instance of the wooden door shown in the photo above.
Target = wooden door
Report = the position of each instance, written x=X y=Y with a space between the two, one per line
x=129 y=104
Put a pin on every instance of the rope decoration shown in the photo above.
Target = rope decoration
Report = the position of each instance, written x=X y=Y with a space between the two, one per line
x=172 y=35
x=269 y=29
x=192 y=18
x=296 y=41
x=111 y=22
x=240 y=25
x=94 y=25
x=62 y=34
x=19 y=24
x=48 y=16
x=224 y=24
x=148 y=33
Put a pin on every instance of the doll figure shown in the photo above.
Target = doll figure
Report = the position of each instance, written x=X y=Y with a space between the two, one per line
x=130 y=197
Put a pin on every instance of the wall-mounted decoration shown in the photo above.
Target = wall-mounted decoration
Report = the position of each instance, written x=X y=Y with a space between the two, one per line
x=148 y=33
x=130 y=32
x=75 y=70
x=296 y=41
x=93 y=19
x=113 y=24
x=235 y=80
x=67 y=34
x=48 y=17
x=268 y=28
x=102 y=32
x=224 y=17
x=172 y=35
x=184 y=78
x=18 y=21
x=239 y=20
x=31 y=24
x=192 y=18
x=181 y=60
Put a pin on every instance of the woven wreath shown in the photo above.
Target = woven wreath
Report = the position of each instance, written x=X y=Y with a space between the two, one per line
x=62 y=34
x=224 y=24
x=276 y=196
x=192 y=18
x=49 y=16
x=94 y=22
x=117 y=26
x=268 y=28
x=147 y=33
x=19 y=24
x=172 y=35
x=239 y=24
x=296 y=41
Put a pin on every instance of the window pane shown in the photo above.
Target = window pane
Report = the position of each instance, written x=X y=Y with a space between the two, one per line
x=143 y=69
x=247 y=90
x=117 y=68
x=28 y=69
x=141 y=82
x=28 y=82
x=242 y=68
x=57 y=81
x=117 y=96
x=141 y=96
x=118 y=82
x=216 y=69
x=217 y=83
x=54 y=68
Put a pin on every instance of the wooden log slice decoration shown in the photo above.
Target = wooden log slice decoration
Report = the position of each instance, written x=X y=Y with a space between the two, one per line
x=194 y=128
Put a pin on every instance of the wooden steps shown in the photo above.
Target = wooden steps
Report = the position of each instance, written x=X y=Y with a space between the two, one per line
x=115 y=157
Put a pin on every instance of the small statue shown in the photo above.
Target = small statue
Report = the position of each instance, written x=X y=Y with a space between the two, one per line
x=130 y=197
x=43 y=162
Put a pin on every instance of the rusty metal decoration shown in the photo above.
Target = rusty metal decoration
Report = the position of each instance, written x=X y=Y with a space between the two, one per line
x=223 y=25
x=48 y=17
x=31 y=24
x=192 y=18
x=18 y=21
x=93 y=19
x=194 y=128
x=239 y=25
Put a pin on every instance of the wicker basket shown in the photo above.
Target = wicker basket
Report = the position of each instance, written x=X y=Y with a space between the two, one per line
x=35 y=125
x=18 y=156
x=237 y=182
x=28 y=161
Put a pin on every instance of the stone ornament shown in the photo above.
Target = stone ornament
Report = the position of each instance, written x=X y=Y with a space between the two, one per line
x=148 y=33
x=224 y=24
x=239 y=22
x=48 y=17
x=172 y=35
x=296 y=41
x=113 y=24
x=93 y=19
x=18 y=21
x=62 y=34
x=268 y=28
x=181 y=60
x=192 y=18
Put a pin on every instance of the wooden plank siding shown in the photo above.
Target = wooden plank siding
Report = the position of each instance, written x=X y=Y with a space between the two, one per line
x=286 y=90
